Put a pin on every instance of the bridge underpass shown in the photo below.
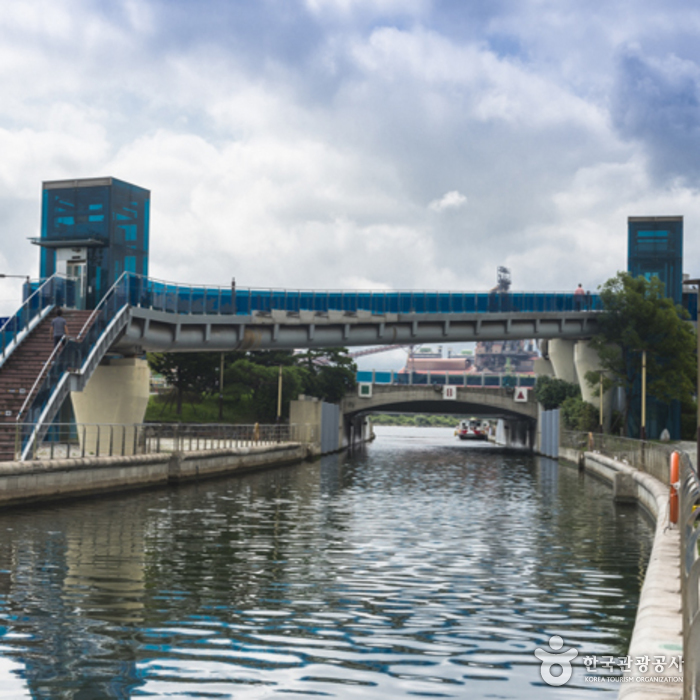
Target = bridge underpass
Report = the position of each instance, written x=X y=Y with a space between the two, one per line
x=517 y=418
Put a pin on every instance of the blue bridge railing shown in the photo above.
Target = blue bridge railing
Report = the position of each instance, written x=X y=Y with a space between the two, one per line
x=445 y=378
x=187 y=299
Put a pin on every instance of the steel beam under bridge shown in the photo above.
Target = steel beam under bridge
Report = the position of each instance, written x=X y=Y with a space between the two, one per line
x=161 y=331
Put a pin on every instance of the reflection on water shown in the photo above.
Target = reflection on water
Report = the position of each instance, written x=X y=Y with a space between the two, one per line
x=420 y=567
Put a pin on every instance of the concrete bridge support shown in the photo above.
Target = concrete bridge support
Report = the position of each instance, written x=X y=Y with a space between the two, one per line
x=117 y=394
x=570 y=360
x=518 y=434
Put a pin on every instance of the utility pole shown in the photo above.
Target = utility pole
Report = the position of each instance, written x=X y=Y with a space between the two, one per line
x=279 y=397
x=221 y=388
x=643 y=432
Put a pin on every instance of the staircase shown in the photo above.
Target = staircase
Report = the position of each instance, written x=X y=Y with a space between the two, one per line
x=20 y=371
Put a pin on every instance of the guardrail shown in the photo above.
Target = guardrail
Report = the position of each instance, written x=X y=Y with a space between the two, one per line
x=688 y=514
x=72 y=441
x=57 y=290
x=650 y=457
x=445 y=378
x=177 y=298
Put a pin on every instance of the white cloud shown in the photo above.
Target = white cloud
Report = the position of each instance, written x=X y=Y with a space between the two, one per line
x=450 y=200
x=306 y=158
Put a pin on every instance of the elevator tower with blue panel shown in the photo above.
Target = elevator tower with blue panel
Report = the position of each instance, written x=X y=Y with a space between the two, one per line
x=655 y=249
x=93 y=230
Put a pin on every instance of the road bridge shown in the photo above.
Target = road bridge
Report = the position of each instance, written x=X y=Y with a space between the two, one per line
x=515 y=407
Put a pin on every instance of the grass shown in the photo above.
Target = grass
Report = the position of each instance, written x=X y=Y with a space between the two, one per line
x=205 y=411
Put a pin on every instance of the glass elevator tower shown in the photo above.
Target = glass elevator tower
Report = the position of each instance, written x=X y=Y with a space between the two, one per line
x=93 y=230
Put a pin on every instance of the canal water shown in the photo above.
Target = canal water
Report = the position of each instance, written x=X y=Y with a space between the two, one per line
x=419 y=567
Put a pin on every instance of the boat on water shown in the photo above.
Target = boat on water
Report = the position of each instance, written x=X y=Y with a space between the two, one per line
x=472 y=429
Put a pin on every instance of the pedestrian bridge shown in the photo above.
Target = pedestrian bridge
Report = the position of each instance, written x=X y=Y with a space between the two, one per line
x=167 y=317
x=141 y=314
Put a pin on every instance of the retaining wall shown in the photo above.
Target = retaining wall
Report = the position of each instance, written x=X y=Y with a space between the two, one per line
x=28 y=482
x=658 y=629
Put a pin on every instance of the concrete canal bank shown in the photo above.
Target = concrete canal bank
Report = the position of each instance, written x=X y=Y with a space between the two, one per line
x=658 y=629
x=45 y=480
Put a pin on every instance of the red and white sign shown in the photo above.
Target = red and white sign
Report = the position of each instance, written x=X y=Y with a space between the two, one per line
x=449 y=392
x=520 y=393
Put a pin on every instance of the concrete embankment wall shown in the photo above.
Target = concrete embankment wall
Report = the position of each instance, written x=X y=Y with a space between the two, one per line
x=28 y=482
x=658 y=629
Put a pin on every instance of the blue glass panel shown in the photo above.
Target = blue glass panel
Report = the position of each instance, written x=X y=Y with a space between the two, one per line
x=402 y=378
x=492 y=380
x=444 y=306
x=197 y=300
x=420 y=378
x=392 y=303
x=438 y=379
x=130 y=263
x=456 y=380
x=382 y=377
x=474 y=380
x=364 y=301
x=364 y=376
x=431 y=303
x=482 y=303
x=527 y=381
x=213 y=298
x=457 y=302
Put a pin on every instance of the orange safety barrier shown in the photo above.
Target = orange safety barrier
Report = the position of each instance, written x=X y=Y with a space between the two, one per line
x=673 y=501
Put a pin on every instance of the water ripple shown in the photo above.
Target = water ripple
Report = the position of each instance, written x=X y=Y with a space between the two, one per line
x=417 y=569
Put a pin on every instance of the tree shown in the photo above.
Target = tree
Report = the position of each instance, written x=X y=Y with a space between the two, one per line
x=195 y=372
x=330 y=373
x=552 y=393
x=261 y=384
x=638 y=317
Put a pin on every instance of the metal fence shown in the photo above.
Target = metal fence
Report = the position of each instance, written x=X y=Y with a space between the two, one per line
x=650 y=457
x=688 y=513
x=178 y=298
x=71 y=440
x=445 y=378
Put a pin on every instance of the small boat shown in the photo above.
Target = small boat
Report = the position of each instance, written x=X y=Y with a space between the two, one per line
x=471 y=429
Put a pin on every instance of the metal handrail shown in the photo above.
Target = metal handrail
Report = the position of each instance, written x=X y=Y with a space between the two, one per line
x=45 y=368
x=29 y=298
x=16 y=324
x=117 y=439
x=649 y=457
x=98 y=309
x=689 y=515
x=180 y=298
x=46 y=385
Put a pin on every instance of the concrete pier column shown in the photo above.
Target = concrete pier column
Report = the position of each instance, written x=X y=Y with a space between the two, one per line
x=561 y=355
x=116 y=394
x=586 y=359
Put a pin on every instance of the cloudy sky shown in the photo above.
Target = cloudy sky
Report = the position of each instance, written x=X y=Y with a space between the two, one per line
x=359 y=143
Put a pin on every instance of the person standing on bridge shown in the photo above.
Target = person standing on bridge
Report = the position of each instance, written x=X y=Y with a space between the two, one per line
x=578 y=297
x=59 y=327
